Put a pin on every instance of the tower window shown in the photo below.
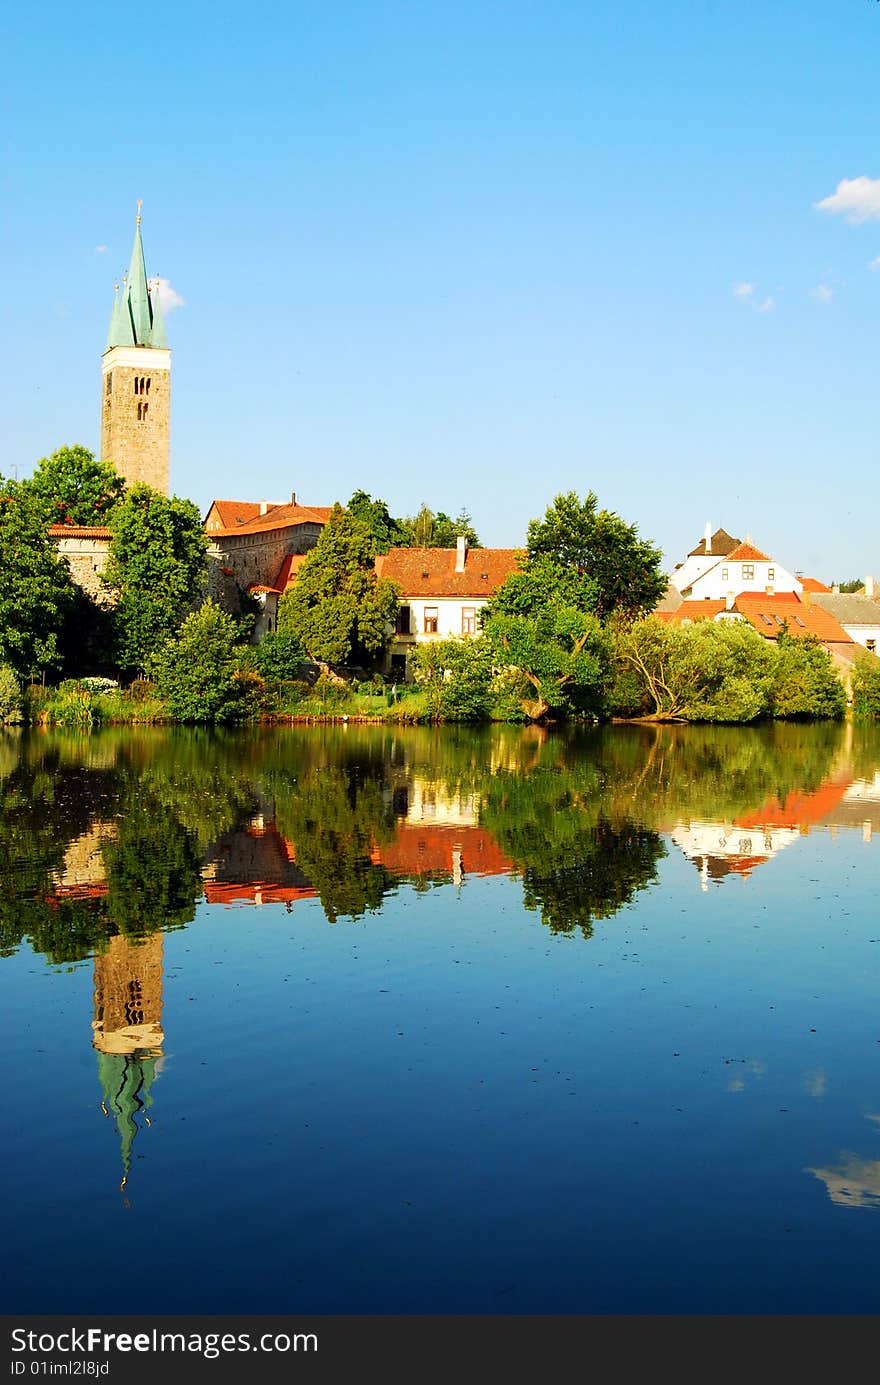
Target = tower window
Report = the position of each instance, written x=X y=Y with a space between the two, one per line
x=109 y=384
x=148 y=384
x=136 y=383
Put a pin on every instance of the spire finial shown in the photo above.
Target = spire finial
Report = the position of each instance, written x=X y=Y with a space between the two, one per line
x=140 y=203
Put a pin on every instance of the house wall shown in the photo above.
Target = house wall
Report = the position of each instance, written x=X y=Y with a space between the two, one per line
x=87 y=559
x=864 y=634
x=734 y=577
x=449 y=623
x=256 y=557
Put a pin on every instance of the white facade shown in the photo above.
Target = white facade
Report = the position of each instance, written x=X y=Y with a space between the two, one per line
x=868 y=636
x=741 y=575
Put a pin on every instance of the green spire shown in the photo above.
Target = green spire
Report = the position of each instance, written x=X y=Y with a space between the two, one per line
x=137 y=319
x=126 y=1079
x=116 y=333
x=159 y=338
x=138 y=292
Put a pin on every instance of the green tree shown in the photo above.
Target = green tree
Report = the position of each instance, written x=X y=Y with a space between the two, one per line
x=74 y=488
x=338 y=607
x=429 y=530
x=577 y=538
x=866 y=686
x=196 y=673
x=710 y=671
x=10 y=696
x=805 y=683
x=386 y=531
x=36 y=591
x=455 y=675
x=155 y=569
x=279 y=655
x=561 y=653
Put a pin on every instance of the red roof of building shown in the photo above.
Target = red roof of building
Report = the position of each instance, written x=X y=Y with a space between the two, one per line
x=288 y=570
x=233 y=513
x=79 y=531
x=767 y=614
x=285 y=517
x=748 y=553
x=812 y=584
x=431 y=571
x=418 y=849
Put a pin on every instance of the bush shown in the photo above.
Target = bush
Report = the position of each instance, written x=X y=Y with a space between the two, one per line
x=99 y=685
x=196 y=673
x=10 y=696
x=141 y=690
x=866 y=686
x=278 y=656
x=805 y=683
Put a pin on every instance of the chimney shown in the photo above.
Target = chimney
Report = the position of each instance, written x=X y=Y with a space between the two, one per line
x=869 y=587
x=264 y=507
x=460 y=552
x=806 y=598
x=293 y=497
x=729 y=601
x=707 y=536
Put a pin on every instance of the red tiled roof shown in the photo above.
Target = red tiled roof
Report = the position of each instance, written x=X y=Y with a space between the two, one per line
x=812 y=584
x=802 y=617
x=282 y=517
x=747 y=552
x=431 y=571
x=79 y=531
x=233 y=513
x=798 y=810
x=288 y=570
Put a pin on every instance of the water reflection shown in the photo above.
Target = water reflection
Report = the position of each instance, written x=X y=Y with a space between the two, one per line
x=127 y=1033
x=124 y=833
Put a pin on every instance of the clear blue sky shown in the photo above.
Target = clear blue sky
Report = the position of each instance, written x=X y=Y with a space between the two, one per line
x=467 y=252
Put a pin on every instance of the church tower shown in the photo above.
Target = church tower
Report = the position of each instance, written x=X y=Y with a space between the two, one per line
x=136 y=380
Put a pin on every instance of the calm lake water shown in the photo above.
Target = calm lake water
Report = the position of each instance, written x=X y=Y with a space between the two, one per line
x=498 y=1020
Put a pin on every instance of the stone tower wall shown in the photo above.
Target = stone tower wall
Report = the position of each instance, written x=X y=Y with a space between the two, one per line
x=136 y=415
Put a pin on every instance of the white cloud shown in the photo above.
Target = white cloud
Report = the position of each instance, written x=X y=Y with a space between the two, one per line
x=743 y=290
x=767 y=305
x=874 y=264
x=101 y=249
x=823 y=293
x=858 y=199
x=169 y=297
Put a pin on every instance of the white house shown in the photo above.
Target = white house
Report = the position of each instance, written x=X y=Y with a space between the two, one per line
x=721 y=566
x=442 y=593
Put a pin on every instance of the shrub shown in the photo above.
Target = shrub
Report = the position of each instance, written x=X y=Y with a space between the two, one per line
x=866 y=686
x=196 y=673
x=10 y=696
x=278 y=655
x=99 y=685
x=805 y=684
x=141 y=690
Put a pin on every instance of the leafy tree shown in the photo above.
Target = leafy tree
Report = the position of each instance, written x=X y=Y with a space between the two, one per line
x=74 y=488
x=805 y=683
x=386 y=531
x=429 y=530
x=36 y=591
x=156 y=569
x=196 y=673
x=279 y=655
x=562 y=654
x=338 y=607
x=578 y=540
x=866 y=686
x=455 y=675
x=711 y=671
x=855 y=584
x=10 y=696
